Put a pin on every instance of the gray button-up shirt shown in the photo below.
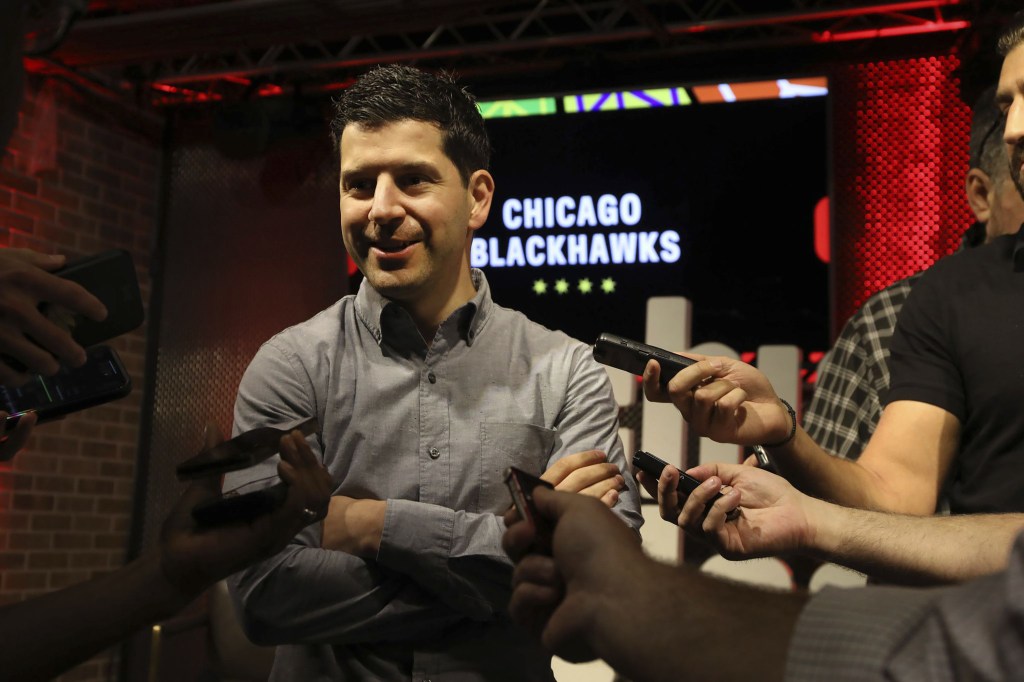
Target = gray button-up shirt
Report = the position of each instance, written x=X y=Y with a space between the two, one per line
x=430 y=428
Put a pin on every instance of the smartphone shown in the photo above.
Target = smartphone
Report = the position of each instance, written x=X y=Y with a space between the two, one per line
x=110 y=277
x=101 y=379
x=632 y=356
x=653 y=466
x=241 y=452
x=240 y=507
x=521 y=485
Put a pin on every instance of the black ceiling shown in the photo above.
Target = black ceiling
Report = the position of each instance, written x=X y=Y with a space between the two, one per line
x=155 y=52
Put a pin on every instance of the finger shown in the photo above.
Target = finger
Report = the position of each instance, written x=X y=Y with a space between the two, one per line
x=603 y=487
x=212 y=435
x=705 y=400
x=536 y=568
x=52 y=337
x=587 y=476
x=557 y=472
x=45 y=261
x=720 y=512
x=519 y=538
x=44 y=286
x=649 y=483
x=531 y=606
x=653 y=389
x=11 y=377
x=16 y=439
x=610 y=498
x=668 y=495
x=695 y=506
x=35 y=359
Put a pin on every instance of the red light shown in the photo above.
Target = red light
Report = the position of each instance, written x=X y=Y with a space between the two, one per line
x=890 y=32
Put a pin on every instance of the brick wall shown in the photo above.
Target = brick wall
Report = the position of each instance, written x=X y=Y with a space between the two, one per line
x=75 y=181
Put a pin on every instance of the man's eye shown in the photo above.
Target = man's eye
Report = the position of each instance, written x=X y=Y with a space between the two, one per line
x=360 y=186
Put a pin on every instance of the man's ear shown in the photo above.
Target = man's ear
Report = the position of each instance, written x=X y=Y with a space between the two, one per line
x=979 y=194
x=481 y=192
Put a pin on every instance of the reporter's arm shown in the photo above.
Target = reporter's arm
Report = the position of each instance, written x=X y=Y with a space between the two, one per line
x=42 y=637
x=901 y=467
x=900 y=548
x=631 y=611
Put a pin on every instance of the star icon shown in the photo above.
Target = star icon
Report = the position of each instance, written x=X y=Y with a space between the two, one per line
x=540 y=287
x=561 y=286
x=586 y=286
x=608 y=285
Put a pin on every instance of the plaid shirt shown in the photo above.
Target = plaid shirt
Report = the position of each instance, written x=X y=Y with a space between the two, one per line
x=854 y=375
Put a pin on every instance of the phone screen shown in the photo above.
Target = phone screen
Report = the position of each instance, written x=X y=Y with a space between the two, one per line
x=100 y=379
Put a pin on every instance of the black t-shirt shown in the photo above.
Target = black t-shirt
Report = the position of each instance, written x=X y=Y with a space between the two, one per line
x=959 y=345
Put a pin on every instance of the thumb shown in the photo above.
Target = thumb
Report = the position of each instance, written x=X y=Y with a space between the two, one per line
x=212 y=435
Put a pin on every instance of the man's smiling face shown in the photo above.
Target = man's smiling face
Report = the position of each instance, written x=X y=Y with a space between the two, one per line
x=405 y=212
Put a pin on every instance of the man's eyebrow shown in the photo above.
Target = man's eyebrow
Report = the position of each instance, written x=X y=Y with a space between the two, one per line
x=424 y=167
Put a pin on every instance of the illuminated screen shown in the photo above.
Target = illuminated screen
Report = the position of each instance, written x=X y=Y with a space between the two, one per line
x=613 y=200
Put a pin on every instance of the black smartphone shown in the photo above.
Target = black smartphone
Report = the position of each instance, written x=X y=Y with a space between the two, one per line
x=521 y=485
x=653 y=466
x=632 y=356
x=241 y=452
x=110 y=277
x=101 y=379
x=239 y=506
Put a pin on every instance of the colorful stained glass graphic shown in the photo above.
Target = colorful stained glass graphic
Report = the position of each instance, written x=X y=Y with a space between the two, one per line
x=626 y=99
x=512 y=108
x=784 y=88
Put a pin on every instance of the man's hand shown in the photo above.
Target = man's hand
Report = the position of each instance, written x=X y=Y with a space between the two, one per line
x=724 y=399
x=193 y=558
x=774 y=516
x=26 y=335
x=589 y=473
x=354 y=526
x=11 y=442
x=564 y=597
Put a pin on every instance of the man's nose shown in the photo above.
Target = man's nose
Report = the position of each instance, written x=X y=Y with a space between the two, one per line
x=387 y=205
x=1013 y=135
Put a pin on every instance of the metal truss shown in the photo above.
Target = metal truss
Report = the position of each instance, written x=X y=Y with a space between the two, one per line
x=228 y=50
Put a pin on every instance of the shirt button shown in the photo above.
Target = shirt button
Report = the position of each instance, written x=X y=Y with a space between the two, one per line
x=432 y=378
x=434 y=453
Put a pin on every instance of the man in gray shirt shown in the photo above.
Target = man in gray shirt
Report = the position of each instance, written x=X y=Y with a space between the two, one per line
x=426 y=391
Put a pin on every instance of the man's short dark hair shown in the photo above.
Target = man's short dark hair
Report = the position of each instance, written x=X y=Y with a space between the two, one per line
x=987 y=122
x=393 y=93
x=1012 y=35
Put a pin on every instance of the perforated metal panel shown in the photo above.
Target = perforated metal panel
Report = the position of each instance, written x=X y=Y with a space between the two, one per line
x=250 y=246
x=900 y=140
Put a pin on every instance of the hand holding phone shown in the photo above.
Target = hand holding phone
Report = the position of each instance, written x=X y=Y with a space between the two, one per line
x=110 y=277
x=633 y=356
x=29 y=342
x=101 y=379
x=241 y=452
x=521 y=485
x=653 y=466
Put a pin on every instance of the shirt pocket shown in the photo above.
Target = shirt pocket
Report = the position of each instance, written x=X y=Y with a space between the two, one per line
x=525 y=446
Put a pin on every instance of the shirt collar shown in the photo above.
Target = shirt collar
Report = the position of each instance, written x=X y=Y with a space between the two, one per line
x=372 y=309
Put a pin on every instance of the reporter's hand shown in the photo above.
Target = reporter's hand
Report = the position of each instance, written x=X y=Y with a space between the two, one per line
x=774 y=517
x=192 y=558
x=11 y=442
x=26 y=335
x=589 y=473
x=724 y=399
x=568 y=596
